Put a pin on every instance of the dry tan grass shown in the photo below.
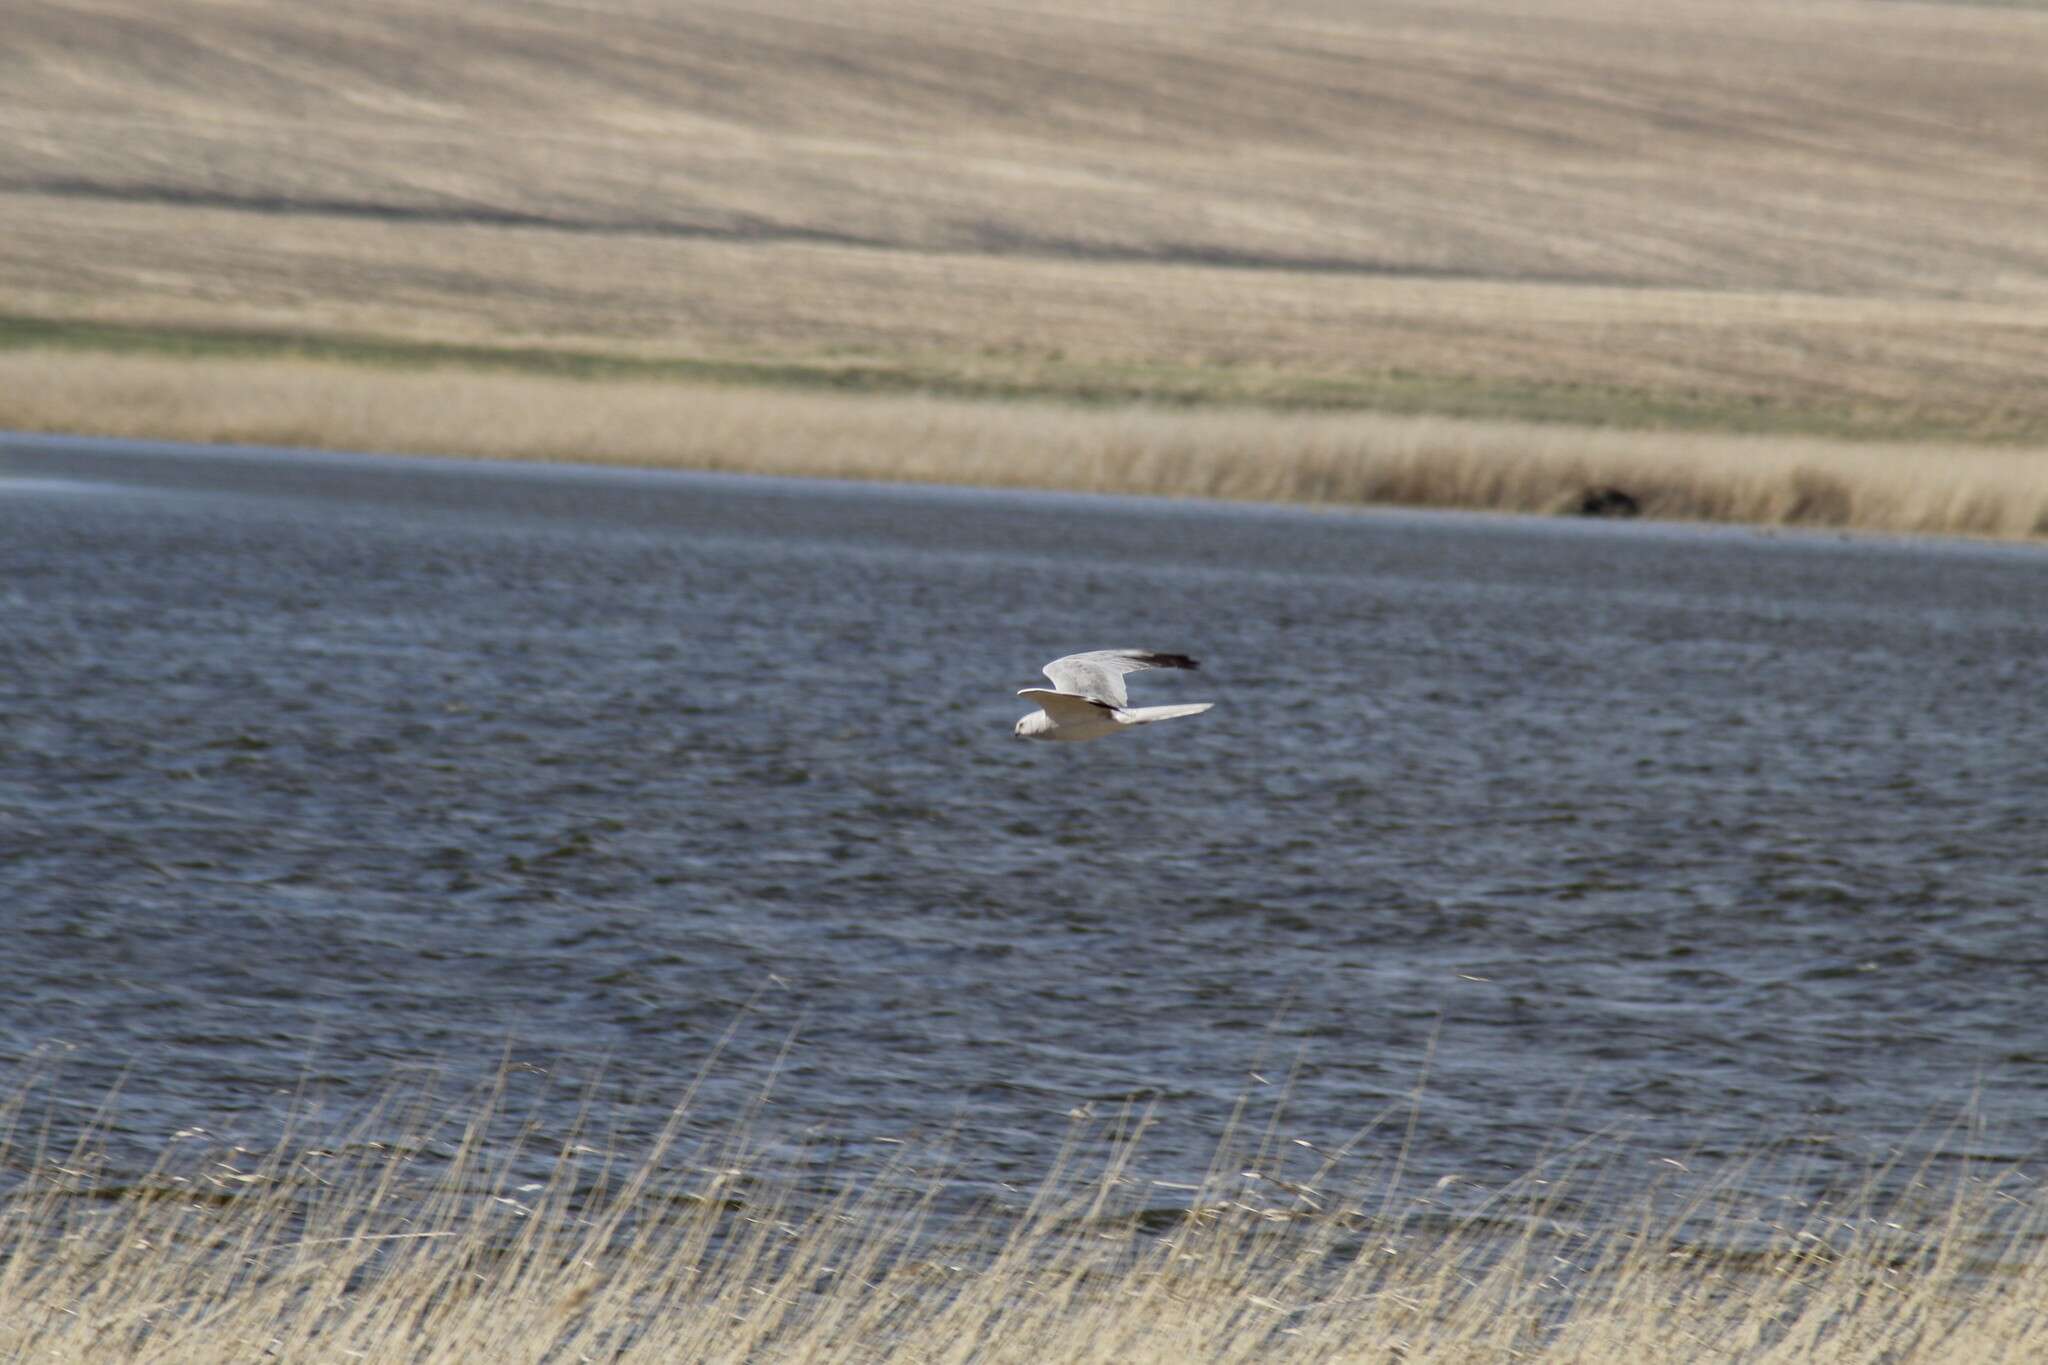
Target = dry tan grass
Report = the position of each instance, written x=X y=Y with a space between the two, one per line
x=367 y=1251
x=1812 y=205
x=1324 y=458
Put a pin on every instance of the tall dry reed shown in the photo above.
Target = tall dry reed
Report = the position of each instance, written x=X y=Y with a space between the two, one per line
x=436 y=1247
x=1338 y=459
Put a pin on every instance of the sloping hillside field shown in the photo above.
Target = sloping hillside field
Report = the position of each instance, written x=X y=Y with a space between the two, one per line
x=1821 y=220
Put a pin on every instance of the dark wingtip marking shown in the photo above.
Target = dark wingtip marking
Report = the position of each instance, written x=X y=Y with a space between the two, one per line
x=1170 y=660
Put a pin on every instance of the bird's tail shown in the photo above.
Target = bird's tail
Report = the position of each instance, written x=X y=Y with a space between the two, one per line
x=1145 y=715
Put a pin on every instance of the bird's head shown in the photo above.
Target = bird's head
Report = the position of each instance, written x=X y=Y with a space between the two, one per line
x=1032 y=726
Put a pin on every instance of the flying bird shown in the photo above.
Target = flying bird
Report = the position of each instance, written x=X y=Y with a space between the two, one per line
x=1087 y=698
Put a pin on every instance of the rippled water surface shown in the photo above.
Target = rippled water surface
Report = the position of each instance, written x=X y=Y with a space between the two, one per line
x=314 y=770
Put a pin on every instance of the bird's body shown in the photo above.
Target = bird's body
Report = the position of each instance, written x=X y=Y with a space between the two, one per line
x=1087 y=699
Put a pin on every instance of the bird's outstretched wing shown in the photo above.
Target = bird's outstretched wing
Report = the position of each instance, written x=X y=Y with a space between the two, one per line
x=1099 y=674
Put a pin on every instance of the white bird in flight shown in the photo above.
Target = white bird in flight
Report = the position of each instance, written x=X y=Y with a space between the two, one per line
x=1087 y=698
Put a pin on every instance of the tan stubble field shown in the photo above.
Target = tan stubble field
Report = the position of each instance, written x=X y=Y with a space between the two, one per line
x=1697 y=249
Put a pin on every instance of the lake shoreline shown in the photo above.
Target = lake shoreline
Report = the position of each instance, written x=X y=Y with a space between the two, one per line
x=690 y=1243
x=1217 y=452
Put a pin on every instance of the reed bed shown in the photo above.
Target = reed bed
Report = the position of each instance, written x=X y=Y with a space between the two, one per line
x=1333 y=459
x=447 y=1245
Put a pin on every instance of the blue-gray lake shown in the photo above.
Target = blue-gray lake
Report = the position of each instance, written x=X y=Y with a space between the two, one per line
x=318 y=773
